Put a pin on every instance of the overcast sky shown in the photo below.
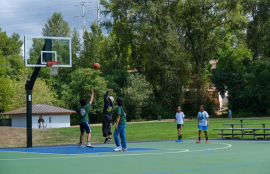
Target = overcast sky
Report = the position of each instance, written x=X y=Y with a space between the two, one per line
x=27 y=17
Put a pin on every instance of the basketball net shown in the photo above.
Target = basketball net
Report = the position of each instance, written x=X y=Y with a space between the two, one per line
x=53 y=65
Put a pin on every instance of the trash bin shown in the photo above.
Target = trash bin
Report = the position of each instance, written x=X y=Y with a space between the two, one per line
x=159 y=118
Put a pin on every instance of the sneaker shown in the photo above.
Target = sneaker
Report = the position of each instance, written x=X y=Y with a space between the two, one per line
x=177 y=141
x=124 y=149
x=88 y=144
x=106 y=140
x=180 y=141
x=80 y=145
x=198 y=141
x=118 y=149
x=206 y=141
x=109 y=139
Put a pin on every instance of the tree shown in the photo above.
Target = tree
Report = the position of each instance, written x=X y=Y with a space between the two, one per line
x=258 y=26
x=229 y=74
x=56 y=26
x=144 y=37
x=197 y=21
x=82 y=81
x=42 y=93
x=137 y=94
x=94 y=45
x=6 y=92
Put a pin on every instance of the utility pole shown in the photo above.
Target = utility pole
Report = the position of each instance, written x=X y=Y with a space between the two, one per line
x=98 y=13
x=83 y=14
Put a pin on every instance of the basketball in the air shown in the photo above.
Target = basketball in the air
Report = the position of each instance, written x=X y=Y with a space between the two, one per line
x=96 y=66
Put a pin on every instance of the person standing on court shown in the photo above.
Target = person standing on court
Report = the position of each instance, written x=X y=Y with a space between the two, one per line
x=107 y=112
x=230 y=114
x=120 y=126
x=83 y=111
x=203 y=123
x=179 y=117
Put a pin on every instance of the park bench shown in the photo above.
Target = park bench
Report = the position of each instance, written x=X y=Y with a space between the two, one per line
x=252 y=131
x=242 y=119
x=245 y=131
x=232 y=124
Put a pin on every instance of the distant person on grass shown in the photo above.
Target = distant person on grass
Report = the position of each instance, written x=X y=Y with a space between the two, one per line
x=203 y=123
x=230 y=114
x=83 y=111
x=179 y=117
x=120 y=126
x=40 y=122
x=107 y=112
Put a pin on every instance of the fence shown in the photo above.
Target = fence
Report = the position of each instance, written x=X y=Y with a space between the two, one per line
x=5 y=122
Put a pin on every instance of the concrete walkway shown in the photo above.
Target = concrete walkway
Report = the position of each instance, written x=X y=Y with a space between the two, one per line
x=163 y=120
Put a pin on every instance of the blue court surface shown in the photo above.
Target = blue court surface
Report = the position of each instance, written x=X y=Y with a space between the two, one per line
x=71 y=150
x=216 y=157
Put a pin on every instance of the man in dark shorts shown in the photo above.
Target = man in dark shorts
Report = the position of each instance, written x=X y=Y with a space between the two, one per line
x=83 y=112
x=107 y=112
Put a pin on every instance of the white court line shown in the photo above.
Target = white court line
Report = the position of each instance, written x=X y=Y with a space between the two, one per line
x=185 y=150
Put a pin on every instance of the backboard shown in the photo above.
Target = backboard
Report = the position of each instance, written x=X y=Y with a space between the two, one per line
x=38 y=50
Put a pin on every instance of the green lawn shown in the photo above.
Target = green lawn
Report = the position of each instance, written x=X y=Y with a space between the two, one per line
x=139 y=132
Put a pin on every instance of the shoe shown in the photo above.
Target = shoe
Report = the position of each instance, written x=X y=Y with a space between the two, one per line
x=124 y=149
x=109 y=139
x=206 y=141
x=180 y=141
x=177 y=141
x=80 y=145
x=88 y=144
x=198 y=141
x=106 y=140
x=118 y=149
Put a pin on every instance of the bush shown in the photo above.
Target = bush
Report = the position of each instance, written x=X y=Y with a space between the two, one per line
x=191 y=106
x=137 y=95
x=152 y=111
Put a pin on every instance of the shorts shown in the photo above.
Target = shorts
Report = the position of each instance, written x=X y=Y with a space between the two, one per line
x=85 y=127
x=204 y=128
x=179 y=126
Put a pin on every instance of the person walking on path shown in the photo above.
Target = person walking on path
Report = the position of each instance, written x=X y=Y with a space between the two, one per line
x=230 y=114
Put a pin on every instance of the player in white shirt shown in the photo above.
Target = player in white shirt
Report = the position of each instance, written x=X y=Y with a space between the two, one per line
x=179 y=117
x=203 y=123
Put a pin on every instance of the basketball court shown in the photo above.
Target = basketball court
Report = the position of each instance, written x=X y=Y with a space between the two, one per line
x=219 y=156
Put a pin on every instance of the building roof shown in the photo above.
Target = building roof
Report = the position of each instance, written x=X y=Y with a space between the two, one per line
x=40 y=109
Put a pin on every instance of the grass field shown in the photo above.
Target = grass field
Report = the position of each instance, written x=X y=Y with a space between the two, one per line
x=145 y=131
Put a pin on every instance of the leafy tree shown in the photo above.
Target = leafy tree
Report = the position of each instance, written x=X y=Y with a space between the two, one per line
x=229 y=75
x=258 y=26
x=42 y=93
x=6 y=92
x=116 y=80
x=198 y=21
x=137 y=94
x=56 y=26
x=82 y=81
x=94 y=43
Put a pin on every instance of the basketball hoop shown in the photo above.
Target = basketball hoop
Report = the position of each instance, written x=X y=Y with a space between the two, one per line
x=53 y=65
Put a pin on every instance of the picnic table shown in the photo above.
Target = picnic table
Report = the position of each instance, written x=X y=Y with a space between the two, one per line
x=253 y=131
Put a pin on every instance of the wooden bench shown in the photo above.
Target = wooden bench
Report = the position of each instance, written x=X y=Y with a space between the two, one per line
x=253 y=131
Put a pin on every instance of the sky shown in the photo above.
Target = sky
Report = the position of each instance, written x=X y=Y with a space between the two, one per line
x=27 y=17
